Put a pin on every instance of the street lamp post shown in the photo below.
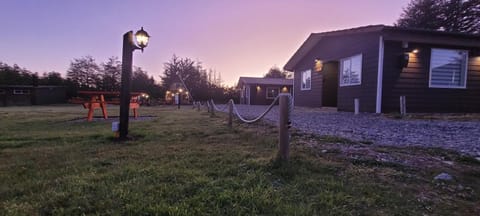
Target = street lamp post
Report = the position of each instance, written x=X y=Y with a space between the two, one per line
x=129 y=46
x=179 y=97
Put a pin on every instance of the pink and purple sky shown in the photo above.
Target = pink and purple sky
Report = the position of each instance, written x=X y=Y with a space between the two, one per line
x=236 y=37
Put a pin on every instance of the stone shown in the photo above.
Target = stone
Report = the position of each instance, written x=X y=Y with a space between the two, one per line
x=448 y=162
x=443 y=177
x=478 y=159
x=324 y=151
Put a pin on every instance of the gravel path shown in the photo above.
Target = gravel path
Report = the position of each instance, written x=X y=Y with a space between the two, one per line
x=462 y=136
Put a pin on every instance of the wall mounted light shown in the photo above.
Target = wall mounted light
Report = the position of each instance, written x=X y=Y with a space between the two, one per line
x=318 y=65
x=258 y=88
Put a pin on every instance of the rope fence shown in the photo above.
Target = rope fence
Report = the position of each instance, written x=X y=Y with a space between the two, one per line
x=284 y=123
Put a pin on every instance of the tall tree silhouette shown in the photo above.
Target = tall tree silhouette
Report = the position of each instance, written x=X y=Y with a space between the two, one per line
x=84 y=72
x=111 y=71
x=445 y=15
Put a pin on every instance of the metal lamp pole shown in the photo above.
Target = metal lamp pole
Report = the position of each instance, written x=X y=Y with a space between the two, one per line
x=179 y=97
x=127 y=58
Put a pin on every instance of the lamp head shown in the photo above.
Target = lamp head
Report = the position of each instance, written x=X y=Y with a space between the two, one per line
x=142 y=38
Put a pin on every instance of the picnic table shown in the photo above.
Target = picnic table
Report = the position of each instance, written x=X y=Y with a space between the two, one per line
x=96 y=100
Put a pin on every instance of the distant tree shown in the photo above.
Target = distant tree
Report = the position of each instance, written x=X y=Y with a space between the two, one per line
x=85 y=73
x=276 y=72
x=191 y=73
x=214 y=78
x=15 y=75
x=51 y=78
x=423 y=14
x=141 y=82
x=446 y=15
x=461 y=16
x=111 y=74
x=231 y=93
x=203 y=84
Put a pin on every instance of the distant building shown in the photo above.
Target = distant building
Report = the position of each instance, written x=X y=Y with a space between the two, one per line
x=435 y=71
x=262 y=91
x=25 y=95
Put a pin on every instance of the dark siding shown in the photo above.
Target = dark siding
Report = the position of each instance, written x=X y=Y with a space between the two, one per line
x=412 y=82
x=50 y=95
x=37 y=96
x=308 y=98
x=18 y=99
x=260 y=97
x=334 y=49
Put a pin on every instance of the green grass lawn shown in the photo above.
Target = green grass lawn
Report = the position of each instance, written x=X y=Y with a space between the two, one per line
x=184 y=162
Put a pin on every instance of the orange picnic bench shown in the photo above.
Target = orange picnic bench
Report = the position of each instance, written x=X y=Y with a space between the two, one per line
x=96 y=99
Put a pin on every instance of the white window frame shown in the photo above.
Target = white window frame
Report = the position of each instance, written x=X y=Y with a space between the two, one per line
x=301 y=80
x=359 y=74
x=268 y=89
x=448 y=86
x=21 y=91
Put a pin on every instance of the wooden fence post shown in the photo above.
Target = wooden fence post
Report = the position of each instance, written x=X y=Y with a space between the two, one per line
x=283 y=151
x=212 y=108
x=230 y=113
x=403 y=106
x=357 y=106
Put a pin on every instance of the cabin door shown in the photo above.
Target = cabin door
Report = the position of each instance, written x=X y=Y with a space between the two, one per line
x=330 y=84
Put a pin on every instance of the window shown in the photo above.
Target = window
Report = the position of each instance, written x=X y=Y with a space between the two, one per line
x=272 y=92
x=448 y=68
x=21 y=91
x=306 y=80
x=351 y=71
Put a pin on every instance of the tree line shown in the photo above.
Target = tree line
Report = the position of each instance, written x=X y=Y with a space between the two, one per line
x=85 y=73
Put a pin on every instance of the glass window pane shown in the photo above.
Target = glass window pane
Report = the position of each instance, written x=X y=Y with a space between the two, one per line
x=351 y=70
x=448 y=68
x=306 y=80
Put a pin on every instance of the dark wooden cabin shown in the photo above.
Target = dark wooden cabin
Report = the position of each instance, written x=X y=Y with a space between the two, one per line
x=435 y=71
x=26 y=95
x=262 y=91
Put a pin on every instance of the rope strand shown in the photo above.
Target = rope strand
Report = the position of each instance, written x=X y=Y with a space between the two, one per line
x=248 y=121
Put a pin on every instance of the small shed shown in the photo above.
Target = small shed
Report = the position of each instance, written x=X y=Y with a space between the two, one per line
x=262 y=91
x=26 y=95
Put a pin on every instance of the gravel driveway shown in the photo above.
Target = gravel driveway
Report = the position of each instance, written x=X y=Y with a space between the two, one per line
x=462 y=136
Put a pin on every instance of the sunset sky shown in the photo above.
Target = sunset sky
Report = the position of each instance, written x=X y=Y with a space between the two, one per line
x=236 y=37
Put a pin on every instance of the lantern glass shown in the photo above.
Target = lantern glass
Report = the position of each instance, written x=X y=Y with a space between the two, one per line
x=142 y=38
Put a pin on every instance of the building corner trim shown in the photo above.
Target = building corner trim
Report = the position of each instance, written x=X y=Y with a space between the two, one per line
x=381 y=48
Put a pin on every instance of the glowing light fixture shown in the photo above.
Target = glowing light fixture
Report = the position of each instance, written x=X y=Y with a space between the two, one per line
x=142 y=38
x=318 y=65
